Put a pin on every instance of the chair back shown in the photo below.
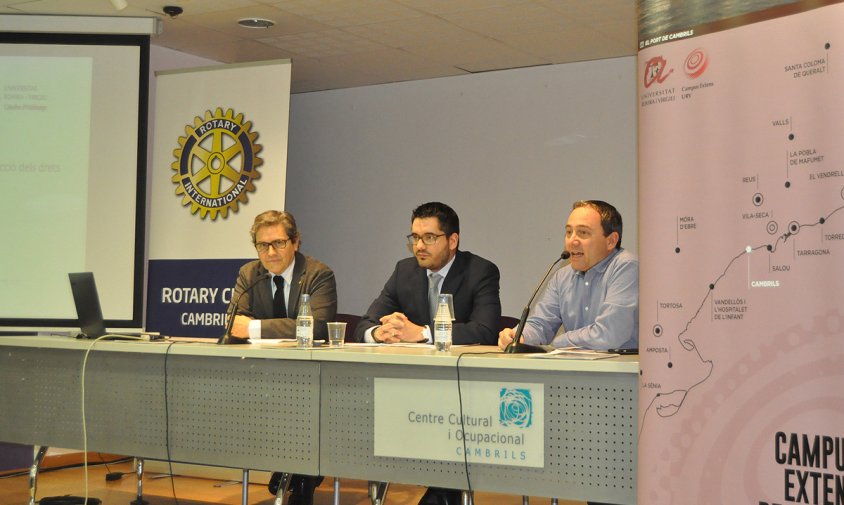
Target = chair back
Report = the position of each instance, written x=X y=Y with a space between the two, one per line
x=351 y=321
x=507 y=322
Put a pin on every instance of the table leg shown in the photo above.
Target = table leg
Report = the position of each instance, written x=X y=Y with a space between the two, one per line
x=336 y=491
x=283 y=486
x=378 y=492
x=139 y=474
x=33 y=471
x=245 y=487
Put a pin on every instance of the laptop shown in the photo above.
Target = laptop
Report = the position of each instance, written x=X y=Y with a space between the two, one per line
x=87 y=304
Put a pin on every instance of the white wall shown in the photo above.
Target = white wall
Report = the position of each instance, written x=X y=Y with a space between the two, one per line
x=509 y=151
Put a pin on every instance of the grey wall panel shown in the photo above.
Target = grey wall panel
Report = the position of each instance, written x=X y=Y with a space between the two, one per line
x=509 y=150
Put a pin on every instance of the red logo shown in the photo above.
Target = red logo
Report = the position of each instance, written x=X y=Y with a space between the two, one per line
x=696 y=63
x=655 y=71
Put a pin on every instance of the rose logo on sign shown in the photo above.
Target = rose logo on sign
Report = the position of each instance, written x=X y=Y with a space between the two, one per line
x=515 y=408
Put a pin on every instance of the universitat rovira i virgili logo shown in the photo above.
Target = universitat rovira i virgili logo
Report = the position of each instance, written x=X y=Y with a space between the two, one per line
x=216 y=162
x=515 y=408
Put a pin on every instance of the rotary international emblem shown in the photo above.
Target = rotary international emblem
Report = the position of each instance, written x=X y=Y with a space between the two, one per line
x=216 y=163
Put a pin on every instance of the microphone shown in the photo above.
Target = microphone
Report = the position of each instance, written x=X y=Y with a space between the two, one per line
x=516 y=347
x=227 y=337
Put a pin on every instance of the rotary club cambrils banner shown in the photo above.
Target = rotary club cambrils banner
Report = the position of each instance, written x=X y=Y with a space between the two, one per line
x=741 y=201
x=220 y=158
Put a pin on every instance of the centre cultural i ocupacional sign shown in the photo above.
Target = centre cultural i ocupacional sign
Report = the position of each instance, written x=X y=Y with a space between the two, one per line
x=499 y=423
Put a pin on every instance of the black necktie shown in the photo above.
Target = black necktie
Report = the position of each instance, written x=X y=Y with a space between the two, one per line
x=279 y=307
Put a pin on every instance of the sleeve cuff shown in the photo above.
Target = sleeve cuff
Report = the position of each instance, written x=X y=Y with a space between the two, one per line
x=255 y=328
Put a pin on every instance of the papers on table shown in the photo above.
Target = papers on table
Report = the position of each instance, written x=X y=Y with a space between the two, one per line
x=285 y=342
x=272 y=341
x=575 y=353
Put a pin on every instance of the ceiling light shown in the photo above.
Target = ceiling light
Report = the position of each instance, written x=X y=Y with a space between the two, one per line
x=119 y=5
x=255 y=23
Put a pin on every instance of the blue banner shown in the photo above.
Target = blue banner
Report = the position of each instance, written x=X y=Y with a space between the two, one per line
x=189 y=298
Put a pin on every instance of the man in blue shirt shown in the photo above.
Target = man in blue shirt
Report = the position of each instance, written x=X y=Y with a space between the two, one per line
x=594 y=299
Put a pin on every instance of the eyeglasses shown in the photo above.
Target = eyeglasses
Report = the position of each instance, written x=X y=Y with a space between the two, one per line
x=278 y=245
x=427 y=238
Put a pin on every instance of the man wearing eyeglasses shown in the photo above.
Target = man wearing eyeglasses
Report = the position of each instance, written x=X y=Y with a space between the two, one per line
x=403 y=312
x=269 y=309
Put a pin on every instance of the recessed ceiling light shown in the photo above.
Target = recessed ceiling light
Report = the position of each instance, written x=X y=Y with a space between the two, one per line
x=255 y=23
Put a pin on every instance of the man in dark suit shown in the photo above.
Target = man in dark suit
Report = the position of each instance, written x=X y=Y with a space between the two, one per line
x=269 y=309
x=268 y=305
x=403 y=313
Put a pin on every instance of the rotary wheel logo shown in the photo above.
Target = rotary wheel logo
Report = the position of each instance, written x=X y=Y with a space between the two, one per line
x=216 y=163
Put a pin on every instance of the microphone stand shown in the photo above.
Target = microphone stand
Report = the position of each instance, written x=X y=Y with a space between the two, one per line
x=516 y=346
x=227 y=338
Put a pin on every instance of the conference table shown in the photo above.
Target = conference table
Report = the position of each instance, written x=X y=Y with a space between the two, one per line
x=351 y=412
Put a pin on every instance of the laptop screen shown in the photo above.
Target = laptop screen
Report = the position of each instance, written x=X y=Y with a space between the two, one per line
x=87 y=304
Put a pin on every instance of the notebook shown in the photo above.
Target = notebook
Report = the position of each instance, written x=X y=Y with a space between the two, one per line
x=87 y=304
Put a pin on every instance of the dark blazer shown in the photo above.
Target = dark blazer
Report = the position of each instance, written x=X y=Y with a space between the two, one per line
x=472 y=280
x=309 y=276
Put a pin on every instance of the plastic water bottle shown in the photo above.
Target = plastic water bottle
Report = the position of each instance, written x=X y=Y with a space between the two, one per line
x=442 y=328
x=305 y=323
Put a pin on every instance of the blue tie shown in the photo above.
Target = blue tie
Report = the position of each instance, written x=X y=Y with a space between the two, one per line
x=433 y=291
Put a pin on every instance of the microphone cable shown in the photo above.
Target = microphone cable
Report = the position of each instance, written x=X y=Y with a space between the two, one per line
x=21 y=473
x=112 y=476
x=166 y=410
x=82 y=389
x=460 y=411
x=167 y=423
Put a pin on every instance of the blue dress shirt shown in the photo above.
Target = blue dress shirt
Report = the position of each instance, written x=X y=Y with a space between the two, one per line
x=598 y=308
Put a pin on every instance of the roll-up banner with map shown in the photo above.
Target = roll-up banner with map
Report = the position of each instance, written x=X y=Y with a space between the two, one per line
x=741 y=204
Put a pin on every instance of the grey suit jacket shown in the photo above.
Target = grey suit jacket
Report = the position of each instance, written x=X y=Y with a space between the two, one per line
x=309 y=276
x=474 y=283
